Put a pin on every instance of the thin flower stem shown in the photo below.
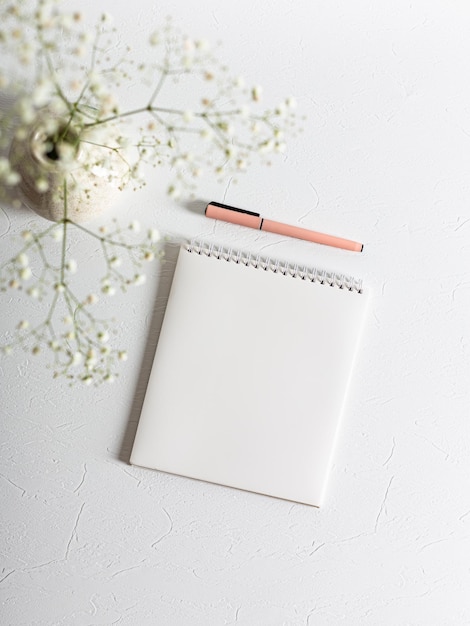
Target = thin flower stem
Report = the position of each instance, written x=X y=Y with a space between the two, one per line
x=118 y=116
x=101 y=238
x=86 y=84
x=52 y=308
x=181 y=129
x=40 y=250
x=217 y=132
x=28 y=245
x=72 y=312
x=64 y=237
x=34 y=332
x=157 y=89
x=80 y=308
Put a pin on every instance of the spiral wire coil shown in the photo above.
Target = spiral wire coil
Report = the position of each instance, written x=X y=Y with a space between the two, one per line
x=314 y=275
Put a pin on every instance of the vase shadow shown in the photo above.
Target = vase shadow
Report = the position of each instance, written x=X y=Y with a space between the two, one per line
x=161 y=297
x=12 y=199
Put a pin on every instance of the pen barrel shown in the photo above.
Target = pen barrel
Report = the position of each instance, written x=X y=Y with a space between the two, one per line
x=310 y=235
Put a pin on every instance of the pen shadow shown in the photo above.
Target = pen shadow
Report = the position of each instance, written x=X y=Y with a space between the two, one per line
x=161 y=298
x=196 y=206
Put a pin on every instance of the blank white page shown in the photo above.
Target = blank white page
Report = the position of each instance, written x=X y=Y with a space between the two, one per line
x=249 y=379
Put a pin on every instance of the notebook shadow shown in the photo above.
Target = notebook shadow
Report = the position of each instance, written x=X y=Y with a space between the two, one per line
x=164 y=284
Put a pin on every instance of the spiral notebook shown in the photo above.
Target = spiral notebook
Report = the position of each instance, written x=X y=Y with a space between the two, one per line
x=250 y=375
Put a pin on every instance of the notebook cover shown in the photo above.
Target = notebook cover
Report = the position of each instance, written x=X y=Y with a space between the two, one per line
x=250 y=376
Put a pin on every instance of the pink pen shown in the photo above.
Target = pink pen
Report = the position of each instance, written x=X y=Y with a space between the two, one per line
x=254 y=220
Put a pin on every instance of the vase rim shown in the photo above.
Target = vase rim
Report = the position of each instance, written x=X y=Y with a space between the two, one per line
x=37 y=140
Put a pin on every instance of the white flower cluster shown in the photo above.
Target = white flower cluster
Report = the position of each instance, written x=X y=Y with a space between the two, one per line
x=70 y=329
x=218 y=133
x=75 y=95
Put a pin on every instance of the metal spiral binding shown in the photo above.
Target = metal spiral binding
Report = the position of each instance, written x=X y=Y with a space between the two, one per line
x=302 y=272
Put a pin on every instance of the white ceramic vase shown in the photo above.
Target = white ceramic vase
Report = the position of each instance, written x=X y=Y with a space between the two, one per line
x=80 y=184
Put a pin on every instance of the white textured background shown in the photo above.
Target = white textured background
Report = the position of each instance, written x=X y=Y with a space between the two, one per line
x=87 y=539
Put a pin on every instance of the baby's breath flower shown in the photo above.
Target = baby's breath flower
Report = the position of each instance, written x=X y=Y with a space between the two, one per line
x=291 y=102
x=106 y=18
x=25 y=273
x=122 y=355
x=7 y=175
x=139 y=279
x=79 y=51
x=149 y=256
x=154 y=38
x=33 y=292
x=188 y=45
x=66 y=152
x=13 y=284
x=77 y=358
x=36 y=350
x=108 y=290
x=188 y=116
x=135 y=226
x=256 y=93
x=71 y=266
x=22 y=259
x=153 y=234
x=103 y=336
x=11 y=178
x=85 y=37
x=202 y=44
x=91 y=359
x=124 y=142
x=174 y=192
x=23 y=325
x=91 y=299
x=266 y=146
x=27 y=235
x=68 y=320
x=42 y=92
x=59 y=287
x=26 y=110
x=87 y=379
x=109 y=378
x=207 y=134
x=115 y=261
x=57 y=234
x=42 y=185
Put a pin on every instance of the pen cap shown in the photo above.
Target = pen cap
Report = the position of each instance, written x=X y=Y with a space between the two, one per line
x=236 y=216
